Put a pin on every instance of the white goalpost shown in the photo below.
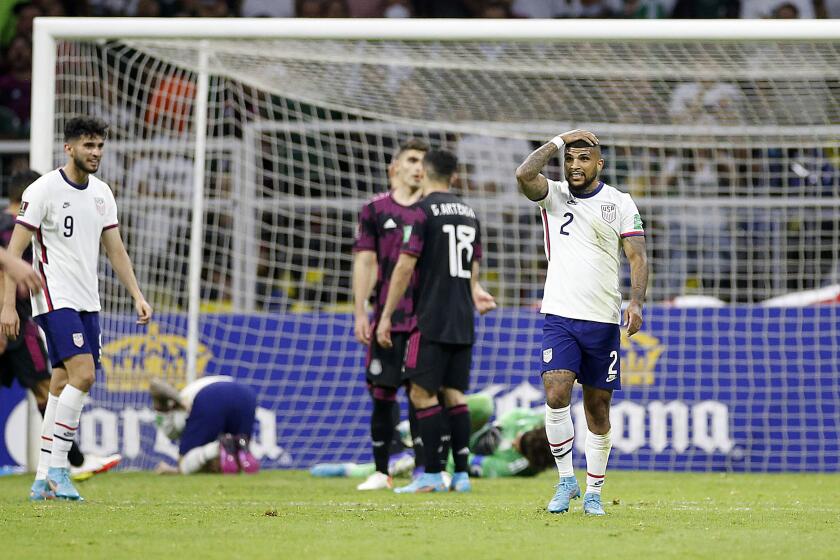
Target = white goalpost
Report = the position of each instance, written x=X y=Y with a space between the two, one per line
x=241 y=151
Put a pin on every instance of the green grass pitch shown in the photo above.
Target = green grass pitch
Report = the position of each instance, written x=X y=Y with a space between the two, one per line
x=289 y=514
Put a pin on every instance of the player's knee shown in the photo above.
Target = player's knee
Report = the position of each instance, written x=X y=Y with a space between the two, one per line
x=421 y=398
x=453 y=397
x=558 y=390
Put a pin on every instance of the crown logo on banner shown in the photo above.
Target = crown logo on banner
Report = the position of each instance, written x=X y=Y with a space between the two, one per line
x=130 y=362
x=640 y=354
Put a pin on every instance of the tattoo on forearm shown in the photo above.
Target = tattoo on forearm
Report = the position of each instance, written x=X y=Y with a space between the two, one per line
x=534 y=163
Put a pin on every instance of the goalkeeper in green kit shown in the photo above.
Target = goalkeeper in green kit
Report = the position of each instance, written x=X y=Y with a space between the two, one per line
x=514 y=445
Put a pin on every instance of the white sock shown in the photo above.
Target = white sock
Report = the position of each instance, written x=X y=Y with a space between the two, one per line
x=196 y=458
x=67 y=413
x=47 y=429
x=597 y=455
x=561 y=437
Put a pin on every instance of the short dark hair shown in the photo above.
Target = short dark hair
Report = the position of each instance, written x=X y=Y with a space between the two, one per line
x=19 y=182
x=440 y=165
x=79 y=127
x=583 y=144
x=413 y=144
x=534 y=447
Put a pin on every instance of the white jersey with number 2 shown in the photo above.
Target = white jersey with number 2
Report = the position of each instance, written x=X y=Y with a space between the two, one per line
x=582 y=237
x=67 y=221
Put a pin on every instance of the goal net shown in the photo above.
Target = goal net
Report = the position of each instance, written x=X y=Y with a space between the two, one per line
x=729 y=146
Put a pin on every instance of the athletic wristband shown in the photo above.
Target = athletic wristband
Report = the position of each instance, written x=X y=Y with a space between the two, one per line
x=558 y=141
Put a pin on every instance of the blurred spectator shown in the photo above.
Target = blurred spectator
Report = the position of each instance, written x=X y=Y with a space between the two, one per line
x=705 y=102
x=648 y=9
x=100 y=8
x=539 y=8
x=170 y=105
x=148 y=8
x=827 y=8
x=442 y=8
x=593 y=8
x=495 y=9
x=15 y=86
x=268 y=8
x=366 y=8
x=705 y=9
x=309 y=8
x=212 y=8
x=335 y=9
x=752 y=9
x=21 y=21
x=398 y=9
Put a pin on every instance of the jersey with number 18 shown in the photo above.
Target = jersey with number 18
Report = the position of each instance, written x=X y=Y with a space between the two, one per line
x=582 y=237
x=67 y=221
x=446 y=238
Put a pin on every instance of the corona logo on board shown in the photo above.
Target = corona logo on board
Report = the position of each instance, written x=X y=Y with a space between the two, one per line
x=130 y=362
x=639 y=356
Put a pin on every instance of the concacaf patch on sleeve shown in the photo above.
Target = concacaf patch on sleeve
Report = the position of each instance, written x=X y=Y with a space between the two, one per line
x=637 y=222
x=23 y=206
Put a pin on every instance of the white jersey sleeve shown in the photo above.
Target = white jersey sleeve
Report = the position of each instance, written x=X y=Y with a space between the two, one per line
x=110 y=209
x=33 y=206
x=631 y=220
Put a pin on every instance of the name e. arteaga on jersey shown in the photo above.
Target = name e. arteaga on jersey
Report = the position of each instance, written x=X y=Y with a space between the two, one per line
x=452 y=209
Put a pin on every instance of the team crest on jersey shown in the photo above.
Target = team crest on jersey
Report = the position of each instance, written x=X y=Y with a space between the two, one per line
x=547 y=355
x=100 y=205
x=78 y=339
x=23 y=206
x=608 y=212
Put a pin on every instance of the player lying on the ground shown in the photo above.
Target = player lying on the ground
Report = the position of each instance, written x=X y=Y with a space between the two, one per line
x=214 y=419
x=25 y=358
x=514 y=445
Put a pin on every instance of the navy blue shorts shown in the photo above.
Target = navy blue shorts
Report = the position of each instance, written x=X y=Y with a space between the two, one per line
x=70 y=333
x=588 y=348
x=224 y=407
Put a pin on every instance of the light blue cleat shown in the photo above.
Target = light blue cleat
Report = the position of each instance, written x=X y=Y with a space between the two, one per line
x=329 y=470
x=427 y=482
x=592 y=505
x=59 y=481
x=460 y=482
x=567 y=490
x=41 y=491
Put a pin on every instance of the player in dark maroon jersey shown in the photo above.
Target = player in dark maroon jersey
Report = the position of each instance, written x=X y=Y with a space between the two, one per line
x=384 y=223
x=445 y=247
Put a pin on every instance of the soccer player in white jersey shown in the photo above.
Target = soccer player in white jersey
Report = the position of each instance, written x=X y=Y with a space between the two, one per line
x=67 y=213
x=586 y=223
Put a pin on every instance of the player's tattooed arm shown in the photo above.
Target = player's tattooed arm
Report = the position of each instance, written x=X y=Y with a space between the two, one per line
x=634 y=248
x=532 y=183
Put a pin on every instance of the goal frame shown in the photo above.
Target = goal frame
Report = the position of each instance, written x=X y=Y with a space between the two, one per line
x=48 y=31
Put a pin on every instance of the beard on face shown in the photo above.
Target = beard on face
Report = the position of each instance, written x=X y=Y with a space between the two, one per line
x=587 y=182
x=81 y=163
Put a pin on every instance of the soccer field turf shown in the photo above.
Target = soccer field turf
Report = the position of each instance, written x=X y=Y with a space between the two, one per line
x=292 y=515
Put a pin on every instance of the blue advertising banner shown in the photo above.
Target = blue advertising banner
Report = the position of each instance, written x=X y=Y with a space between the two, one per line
x=734 y=388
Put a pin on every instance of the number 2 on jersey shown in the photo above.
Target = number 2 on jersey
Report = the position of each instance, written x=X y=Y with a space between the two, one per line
x=569 y=221
x=460 y=243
